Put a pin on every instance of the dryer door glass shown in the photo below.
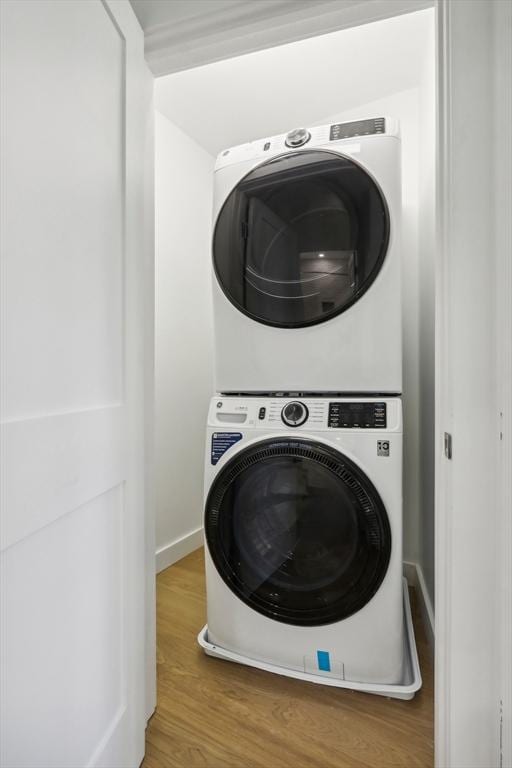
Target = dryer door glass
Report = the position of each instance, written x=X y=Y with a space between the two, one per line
x=300 y=238
x=298 y=532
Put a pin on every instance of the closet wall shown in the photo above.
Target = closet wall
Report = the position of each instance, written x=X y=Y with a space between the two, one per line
x=183 y=336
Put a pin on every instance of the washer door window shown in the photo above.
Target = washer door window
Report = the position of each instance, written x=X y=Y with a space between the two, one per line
x=300 y=239
x=298 y=532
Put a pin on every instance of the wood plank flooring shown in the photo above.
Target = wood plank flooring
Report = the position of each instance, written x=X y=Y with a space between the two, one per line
x=215 y=714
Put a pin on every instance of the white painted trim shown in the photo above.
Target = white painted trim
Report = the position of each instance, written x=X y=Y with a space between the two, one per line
x=234 y=31
x=410 y=574
x=173 y=551
x=149 y=394
x=503 y=227
x=414 y=575
x=442 y=385
x=467 y=653
x=427 y=609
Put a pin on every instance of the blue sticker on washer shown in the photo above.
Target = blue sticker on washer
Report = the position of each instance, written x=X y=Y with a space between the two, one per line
x=221 y=442
x=324 y=662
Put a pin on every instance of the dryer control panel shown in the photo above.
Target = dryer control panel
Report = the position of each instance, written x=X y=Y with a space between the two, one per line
x=357 y=128
x=351 y=133
x=357 y=415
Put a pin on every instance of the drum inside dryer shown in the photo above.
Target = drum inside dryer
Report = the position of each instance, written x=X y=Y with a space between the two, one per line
x=298 y=532
x=300 y=238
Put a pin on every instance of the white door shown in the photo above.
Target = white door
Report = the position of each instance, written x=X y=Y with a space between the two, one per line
x=74 y=112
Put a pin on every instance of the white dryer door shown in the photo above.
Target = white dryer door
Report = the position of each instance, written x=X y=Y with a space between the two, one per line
x=301 y=238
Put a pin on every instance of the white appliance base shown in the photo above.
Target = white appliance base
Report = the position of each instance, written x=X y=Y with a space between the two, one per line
x=405 y=690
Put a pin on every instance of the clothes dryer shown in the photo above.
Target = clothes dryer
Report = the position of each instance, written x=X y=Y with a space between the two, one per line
x=306 y=261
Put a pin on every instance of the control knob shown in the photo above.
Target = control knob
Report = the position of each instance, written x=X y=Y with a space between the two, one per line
x=297 y=137
x=294 y=414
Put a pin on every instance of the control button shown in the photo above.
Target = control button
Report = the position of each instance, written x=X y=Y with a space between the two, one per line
x=261 y=413
x=294 y=414
x=266 y=146
x=297 y=138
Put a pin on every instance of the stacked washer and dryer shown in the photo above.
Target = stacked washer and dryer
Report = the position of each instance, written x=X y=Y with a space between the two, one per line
x=303 y=473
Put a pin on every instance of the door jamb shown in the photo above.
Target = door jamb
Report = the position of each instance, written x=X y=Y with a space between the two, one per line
x=473 y=386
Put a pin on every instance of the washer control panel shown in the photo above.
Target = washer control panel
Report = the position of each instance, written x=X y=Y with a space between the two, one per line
x=301 y=412
x=294 y=414
x=357 y=415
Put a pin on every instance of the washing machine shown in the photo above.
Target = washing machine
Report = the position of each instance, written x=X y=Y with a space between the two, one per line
x=303 y=529
x=306 y=261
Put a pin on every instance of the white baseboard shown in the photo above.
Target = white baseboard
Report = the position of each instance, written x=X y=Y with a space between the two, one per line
x=175 y=550
x=414 y=575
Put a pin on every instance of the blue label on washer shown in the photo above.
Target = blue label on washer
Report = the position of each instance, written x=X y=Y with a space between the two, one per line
x=221 y=442
x=324 y=662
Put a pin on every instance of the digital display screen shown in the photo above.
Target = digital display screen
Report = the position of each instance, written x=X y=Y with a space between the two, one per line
x=357 y=128
x=357 y=415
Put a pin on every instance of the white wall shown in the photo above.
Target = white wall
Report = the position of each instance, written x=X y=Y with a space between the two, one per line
x=183 y=336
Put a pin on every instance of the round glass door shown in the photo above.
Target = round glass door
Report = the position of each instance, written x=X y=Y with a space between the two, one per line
x=300 y=238
x=298 y=532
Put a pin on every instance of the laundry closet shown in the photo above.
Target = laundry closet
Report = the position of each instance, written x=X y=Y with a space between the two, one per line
x=364 y=85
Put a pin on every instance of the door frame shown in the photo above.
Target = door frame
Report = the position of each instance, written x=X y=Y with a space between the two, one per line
x=473 y=385
x=466 y=30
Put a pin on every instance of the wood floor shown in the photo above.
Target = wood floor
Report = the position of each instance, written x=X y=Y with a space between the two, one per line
x=216 y=714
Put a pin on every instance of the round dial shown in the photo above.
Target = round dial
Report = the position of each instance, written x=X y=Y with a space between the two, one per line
x=297 y=137
x=294 y=414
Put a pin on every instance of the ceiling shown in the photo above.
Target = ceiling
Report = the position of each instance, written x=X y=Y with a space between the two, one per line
x=180 y=34
x=270 y=91
x=153 y=13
